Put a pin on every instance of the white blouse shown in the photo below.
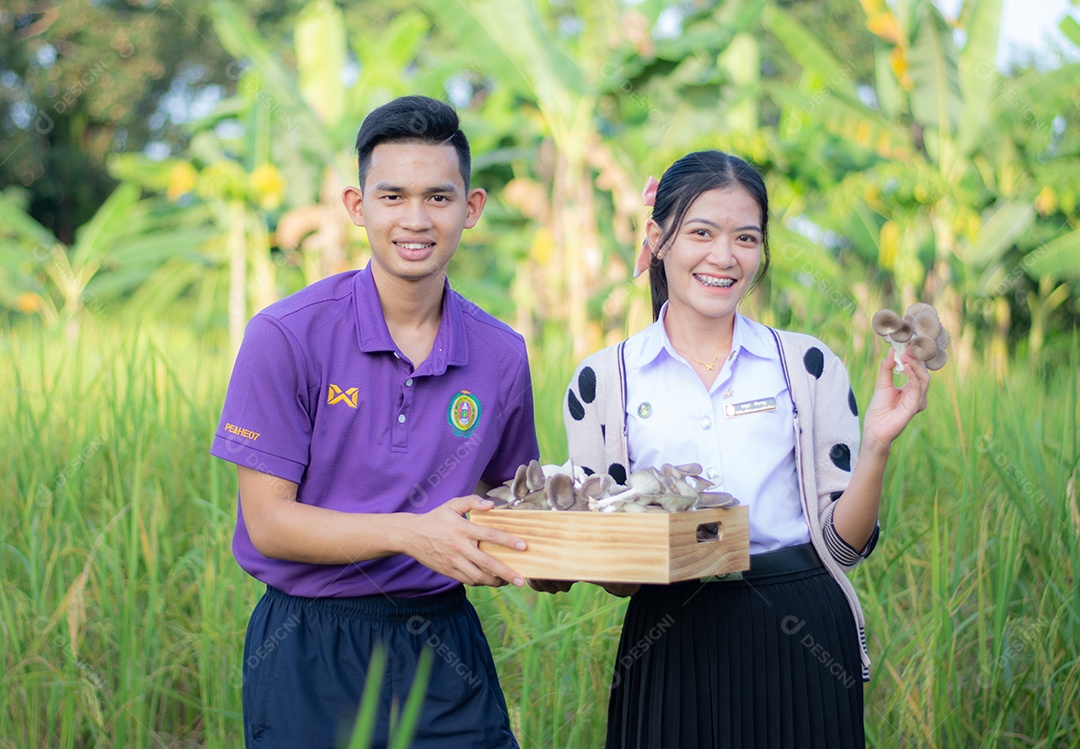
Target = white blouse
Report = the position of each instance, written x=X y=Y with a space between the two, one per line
x=740 y=430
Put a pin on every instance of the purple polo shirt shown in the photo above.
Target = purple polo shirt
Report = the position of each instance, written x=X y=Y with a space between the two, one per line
x=321 y=396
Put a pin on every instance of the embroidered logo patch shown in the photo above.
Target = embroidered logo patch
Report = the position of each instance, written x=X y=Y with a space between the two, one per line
x=348 y=397
x=463 y=413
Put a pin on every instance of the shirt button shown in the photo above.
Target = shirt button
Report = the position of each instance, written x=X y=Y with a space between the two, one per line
x=408 y=383
x=401 y=419
x=713 y=473
x=706 y=423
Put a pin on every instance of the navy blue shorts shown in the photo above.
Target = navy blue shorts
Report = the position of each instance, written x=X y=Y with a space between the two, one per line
x=305 y=661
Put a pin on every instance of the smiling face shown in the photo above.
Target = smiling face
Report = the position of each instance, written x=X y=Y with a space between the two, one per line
x=414 y=206
x=712 y=258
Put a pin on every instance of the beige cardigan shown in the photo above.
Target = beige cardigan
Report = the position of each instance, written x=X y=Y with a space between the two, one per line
x=825 y=421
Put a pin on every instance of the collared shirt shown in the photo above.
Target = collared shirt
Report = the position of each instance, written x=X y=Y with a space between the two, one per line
x=321 y=396
x=740 y=430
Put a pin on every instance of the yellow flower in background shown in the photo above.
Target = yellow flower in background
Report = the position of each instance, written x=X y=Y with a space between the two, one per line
x=898 y=63
x=28 y=302
x=223 y=179
x=967 y=223
x=182 y=179
x=1046 y=201
x=862 y=134
x=888 y=245
x=267 y=187
x=884 y=25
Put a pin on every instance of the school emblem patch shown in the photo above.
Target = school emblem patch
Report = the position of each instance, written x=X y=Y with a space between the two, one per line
x=463 y=413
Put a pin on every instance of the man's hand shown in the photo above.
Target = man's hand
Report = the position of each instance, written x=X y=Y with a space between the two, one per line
x=446 y=542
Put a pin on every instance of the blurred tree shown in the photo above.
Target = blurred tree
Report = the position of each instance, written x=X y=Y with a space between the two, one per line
x=933 y=178
x=586 y=97
x=79 y=81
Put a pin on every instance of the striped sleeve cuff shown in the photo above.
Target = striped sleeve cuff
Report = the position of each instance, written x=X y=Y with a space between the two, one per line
x=843 y=552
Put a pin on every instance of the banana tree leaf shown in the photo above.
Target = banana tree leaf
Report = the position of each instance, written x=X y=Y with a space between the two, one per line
x=1059 y=259
x=854 y=123
x=1070 y=27
x=886 y=86
x=1016 y=98
x=319 y=41
x=161 y=290
x=936 y=98
x=796 y=254
x=242 y=41
x=978 y=70
x=17 y=223
x=111 y=220
x=457 y=21
x=139 y=170
x=1001 y=227
x=864 y=230
x=398 y=45
x=809 y=52
x=152 y=250
x=559 y=85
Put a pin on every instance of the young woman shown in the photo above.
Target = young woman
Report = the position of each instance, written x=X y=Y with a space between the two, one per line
x=776 y=656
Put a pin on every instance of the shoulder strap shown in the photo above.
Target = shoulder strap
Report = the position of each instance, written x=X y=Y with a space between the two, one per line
x=620 y=356
x=784 y=369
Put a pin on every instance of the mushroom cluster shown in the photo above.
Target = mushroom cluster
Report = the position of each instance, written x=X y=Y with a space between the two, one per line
x=665 y=489
x=919 y=332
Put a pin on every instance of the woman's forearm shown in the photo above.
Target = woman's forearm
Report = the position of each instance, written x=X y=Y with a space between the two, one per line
x=856 y=512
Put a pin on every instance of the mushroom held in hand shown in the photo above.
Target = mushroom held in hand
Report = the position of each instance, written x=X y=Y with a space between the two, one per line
x=919 y=332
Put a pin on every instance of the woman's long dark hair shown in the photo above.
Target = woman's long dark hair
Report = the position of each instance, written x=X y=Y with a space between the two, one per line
x=682 y=184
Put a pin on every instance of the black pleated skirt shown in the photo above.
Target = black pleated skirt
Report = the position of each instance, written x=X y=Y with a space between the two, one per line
x=767 y=663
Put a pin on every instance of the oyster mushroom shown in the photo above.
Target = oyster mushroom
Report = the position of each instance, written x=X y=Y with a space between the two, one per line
x=596 y=486
x=709 y=500
x=641 y=483
x=534 y=476
x=677 y=502
x=895 y=330
x=501 y=495
x=922 y=347
x=559 y=490
x=925 y=321
x=519 y=486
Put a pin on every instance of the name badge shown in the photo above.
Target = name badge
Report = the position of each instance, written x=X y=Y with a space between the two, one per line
x=749 y=407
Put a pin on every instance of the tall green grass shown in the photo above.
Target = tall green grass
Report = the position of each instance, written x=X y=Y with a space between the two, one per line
x=123 y=613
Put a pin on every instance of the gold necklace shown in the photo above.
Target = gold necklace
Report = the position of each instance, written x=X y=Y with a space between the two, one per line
x=708 y=365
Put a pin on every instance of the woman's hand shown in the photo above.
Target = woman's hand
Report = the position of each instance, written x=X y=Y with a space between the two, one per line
x=891 y=408
x=622 y=590
x=550 y=586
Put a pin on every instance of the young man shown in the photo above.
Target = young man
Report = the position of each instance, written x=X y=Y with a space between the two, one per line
x=363 y=414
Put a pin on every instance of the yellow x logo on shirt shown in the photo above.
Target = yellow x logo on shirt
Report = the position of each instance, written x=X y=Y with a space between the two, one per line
x=349 y=397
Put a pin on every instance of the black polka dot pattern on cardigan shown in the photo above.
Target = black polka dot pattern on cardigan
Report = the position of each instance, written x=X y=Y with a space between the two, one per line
x=586 y=382
x=814 y=361
x=576 y=409
x=835 y=496
x=852 y=404
x=617 y=471
x=840 y=455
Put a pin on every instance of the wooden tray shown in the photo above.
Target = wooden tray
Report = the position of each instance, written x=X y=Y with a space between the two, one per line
x=621 y=547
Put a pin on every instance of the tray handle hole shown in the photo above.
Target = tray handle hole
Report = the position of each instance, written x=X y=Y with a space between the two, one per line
x=710 y=532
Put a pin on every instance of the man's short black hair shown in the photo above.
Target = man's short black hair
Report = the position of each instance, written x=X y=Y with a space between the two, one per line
x=416 y=119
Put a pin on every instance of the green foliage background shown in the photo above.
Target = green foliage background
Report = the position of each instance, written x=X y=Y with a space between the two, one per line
x=140 y=229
